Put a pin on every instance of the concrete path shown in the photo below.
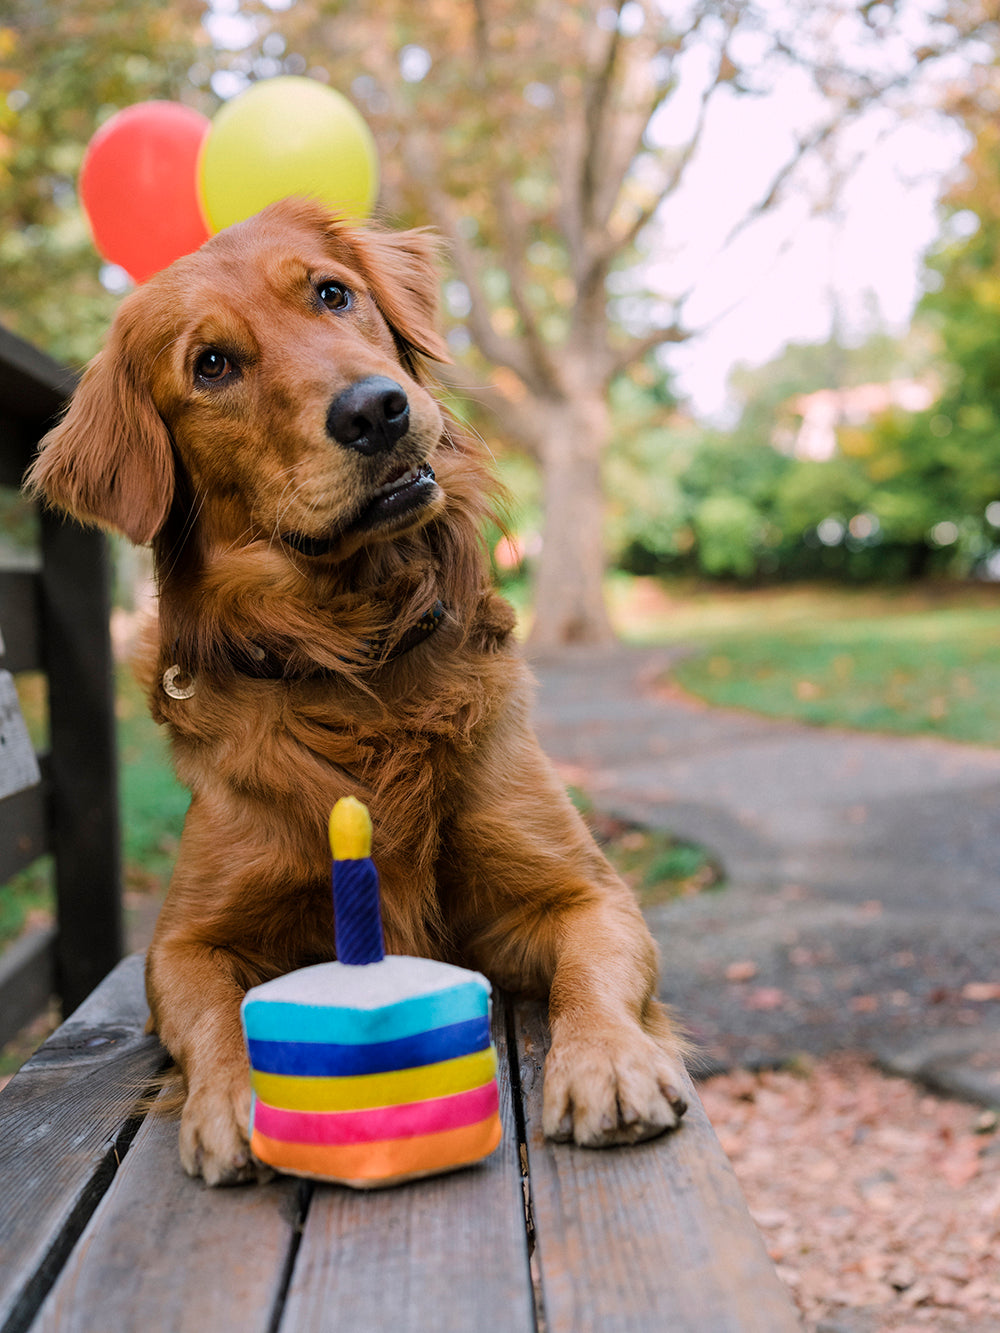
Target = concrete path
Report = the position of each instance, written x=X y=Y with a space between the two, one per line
x=862 y=907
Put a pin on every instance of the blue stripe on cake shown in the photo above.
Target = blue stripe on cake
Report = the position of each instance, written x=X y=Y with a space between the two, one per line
x=274 y=1020
x=334 y=1060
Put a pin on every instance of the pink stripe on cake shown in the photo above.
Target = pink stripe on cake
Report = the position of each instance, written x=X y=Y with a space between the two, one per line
x=371 y=1126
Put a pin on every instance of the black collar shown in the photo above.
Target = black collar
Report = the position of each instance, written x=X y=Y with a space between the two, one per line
x=264 y=665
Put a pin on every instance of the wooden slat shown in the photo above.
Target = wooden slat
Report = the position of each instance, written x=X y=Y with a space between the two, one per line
x=75 y=616
x=27 y=980
x=23 y=829
x=19 y=769
x=18 y=440
x=64 y=1121
x=164 y=1252
x=19 y=619
x=33 y=387
x=651 y=1237
x=647 y=1238
x=444 y=1255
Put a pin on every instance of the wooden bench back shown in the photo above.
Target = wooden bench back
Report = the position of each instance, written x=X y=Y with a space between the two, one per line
x=54 y=618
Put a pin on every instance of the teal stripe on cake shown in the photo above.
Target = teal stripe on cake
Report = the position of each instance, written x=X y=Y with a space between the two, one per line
x=275 y=1020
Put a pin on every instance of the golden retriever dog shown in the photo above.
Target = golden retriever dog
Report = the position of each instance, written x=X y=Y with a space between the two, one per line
x=263 y=415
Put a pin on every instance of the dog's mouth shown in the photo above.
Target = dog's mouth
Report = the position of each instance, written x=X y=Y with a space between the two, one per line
x=394 y=501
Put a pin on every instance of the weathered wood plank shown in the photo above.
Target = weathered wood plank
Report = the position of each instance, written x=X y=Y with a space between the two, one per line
x=163 y=1251
x=651 y=1237
x=18 y=762
x=33 y=387
x=19 y=619
x=18 y=440
x=27 y=979
x=64 y=1119
x=24 y=829
x=75 y=584
x=448 y=1254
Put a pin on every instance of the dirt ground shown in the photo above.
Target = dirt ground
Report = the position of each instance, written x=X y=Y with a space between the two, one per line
x=879 y=1203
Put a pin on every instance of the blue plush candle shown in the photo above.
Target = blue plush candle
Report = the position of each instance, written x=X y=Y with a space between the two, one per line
x=356 y=911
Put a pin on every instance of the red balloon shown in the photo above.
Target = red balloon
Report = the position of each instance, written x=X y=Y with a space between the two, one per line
x=139 y=186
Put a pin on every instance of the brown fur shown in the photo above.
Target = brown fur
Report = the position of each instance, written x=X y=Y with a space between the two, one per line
x=483 y=860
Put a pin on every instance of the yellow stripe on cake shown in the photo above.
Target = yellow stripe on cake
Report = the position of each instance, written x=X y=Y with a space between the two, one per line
x=361 y=1091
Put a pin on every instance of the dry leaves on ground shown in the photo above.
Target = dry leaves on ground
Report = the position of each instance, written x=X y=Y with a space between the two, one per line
x=879 y=1203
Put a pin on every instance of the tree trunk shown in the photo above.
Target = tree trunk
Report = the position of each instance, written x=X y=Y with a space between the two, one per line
x=569 y=589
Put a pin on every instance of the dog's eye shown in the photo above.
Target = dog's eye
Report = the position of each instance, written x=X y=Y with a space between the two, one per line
x=335 y=296
x=213 y=366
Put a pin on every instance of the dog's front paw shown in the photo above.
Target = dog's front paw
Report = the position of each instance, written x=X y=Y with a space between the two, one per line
x=214 y=1135
x=617 y=1086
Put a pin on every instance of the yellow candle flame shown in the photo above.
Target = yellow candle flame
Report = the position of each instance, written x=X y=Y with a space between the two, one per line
x=350 y=830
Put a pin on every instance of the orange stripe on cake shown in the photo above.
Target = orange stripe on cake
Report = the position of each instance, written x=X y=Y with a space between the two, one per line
x=388 y=1159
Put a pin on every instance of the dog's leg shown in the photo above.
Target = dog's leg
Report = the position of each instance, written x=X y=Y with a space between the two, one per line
x=244 y=905
x=542 y=910
x=195 y=1000
x=613 y=1071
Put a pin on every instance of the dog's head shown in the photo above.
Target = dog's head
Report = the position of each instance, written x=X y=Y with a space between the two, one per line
x=274 y=379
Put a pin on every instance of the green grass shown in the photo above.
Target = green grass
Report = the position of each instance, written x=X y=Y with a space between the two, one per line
x=26 y=900
x=922 y=662
x=656 y=865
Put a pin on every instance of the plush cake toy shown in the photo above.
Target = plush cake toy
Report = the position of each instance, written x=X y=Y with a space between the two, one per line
x=373 y=1069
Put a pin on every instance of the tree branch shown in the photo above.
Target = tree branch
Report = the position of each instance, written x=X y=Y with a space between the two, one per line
x=597 y=101
x=620 y=150
x=615 y=245
x=620 y=358
x=513 y=238
x=513 y=246
x=494 y=346
x=421 y=161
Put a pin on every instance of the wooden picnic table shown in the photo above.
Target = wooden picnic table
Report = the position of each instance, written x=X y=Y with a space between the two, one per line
x=101 y=1230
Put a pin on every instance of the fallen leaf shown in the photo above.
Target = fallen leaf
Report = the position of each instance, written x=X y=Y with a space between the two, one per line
x=962 y=1164
x=878 y=1196
x=764 y=998
x=980 y=991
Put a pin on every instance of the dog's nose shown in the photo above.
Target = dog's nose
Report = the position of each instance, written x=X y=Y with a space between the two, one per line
x=369 y=416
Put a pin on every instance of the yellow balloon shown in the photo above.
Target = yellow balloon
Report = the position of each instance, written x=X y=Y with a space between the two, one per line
x=287 y=136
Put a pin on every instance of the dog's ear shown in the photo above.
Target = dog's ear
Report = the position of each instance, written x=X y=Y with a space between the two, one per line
x=401 y=271
x=110 y=459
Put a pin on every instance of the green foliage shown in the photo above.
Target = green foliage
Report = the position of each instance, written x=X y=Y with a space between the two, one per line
x=907 y=494
x=64 y=69
x=648 y=514
x=727 y=527
x=942 y=466
x=904 y=497
x=811 y=491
